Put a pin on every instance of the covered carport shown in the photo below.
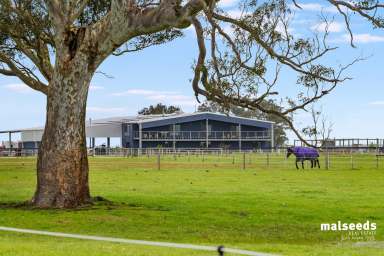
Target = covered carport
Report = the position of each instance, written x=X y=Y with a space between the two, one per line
x=8 y=146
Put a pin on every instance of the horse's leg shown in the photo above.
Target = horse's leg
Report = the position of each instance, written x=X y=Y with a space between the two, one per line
x=302 y=164
x=318 y=163
x=297 y=167
x=311 y=163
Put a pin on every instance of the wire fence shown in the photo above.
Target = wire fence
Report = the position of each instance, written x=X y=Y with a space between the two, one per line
x=225 y=159
x=262 y=161
x=330 y=159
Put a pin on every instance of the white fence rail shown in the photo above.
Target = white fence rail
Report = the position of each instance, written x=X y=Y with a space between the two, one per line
x=219 y=249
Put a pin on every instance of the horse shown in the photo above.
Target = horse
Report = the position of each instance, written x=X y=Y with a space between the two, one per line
x=304 y=153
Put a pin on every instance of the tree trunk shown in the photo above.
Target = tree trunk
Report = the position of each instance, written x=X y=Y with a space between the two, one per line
x=62 y=167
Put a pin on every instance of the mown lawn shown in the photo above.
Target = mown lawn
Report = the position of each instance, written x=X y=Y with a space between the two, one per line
x=268 y=207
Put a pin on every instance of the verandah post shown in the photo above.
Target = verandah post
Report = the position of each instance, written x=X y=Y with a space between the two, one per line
x=10 y=143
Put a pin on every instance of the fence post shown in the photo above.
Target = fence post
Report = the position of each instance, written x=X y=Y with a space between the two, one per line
x=243 y=160
x=158 y=161
x=220 y=250
x=377 y=161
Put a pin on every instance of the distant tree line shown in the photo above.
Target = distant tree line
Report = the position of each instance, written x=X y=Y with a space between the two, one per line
x=159 y=109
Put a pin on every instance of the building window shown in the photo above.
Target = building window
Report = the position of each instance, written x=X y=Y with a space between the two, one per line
x=128 y=130
x=234 y=128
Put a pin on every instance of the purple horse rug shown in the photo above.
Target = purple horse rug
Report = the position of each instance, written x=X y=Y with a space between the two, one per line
x=304 y=153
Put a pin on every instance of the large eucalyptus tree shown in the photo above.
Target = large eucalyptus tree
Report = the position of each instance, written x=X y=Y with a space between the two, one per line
x=56 y=46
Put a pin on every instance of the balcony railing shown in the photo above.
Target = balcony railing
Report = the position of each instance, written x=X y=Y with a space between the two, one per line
x=202 y=135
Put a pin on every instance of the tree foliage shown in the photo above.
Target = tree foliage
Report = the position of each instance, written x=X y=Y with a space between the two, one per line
x=159 y=109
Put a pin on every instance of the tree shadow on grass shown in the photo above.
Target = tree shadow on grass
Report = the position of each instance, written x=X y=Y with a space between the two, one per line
x=97 y=203
x=15 y=205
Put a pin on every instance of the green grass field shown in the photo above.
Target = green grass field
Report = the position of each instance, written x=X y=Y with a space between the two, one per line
x=268 y=207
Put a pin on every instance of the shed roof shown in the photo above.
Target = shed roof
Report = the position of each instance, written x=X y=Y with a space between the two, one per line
x=148 y=121
x=190 y=117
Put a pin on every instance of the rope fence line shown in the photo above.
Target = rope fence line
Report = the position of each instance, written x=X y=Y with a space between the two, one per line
x=219 y=249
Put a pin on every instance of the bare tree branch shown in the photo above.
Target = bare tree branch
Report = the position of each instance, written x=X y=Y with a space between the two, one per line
x=56 y=12
x=126 y=21
x=77 y=9
x=7 y=72
x=24 y=74
x=281 y=58
x=369 y=10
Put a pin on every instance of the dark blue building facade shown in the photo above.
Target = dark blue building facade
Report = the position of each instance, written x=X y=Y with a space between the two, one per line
x=198 y=130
